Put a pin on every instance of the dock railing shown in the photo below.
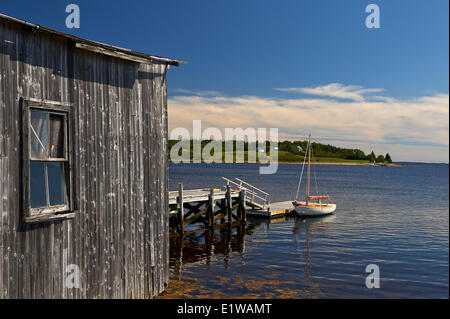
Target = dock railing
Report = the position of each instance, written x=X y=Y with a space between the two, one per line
x=254 y=196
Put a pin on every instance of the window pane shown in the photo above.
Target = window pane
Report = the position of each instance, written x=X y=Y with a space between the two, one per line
x=39 y=134
x=57 y=136
x=38 y=197
x=56 y=183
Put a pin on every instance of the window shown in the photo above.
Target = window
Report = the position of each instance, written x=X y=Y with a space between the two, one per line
x=46 y=160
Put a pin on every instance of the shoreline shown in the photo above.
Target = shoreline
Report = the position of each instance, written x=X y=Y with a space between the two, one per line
x=315 y=163
x=349 y=164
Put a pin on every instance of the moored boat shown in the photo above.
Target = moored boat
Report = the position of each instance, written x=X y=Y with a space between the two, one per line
x=308 y=208
x=313 y=209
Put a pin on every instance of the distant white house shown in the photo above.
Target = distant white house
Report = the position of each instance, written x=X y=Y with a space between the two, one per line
x=299 y=149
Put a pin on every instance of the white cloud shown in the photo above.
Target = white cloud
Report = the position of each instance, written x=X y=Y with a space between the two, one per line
x=198 y=92
x=410 y=130
x=335 y=90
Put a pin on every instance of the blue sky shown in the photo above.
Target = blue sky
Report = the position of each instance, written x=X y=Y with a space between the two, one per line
x=281 y=50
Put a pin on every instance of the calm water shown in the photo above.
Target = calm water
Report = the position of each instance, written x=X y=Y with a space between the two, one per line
x=395 y=217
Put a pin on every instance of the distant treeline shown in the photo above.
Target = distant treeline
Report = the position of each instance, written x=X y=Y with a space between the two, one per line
x=295 y=150
x=327 y=150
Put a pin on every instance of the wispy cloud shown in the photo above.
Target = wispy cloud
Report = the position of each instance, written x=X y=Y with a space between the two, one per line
x=414 y=129
x=198 y=92
x=335 y=90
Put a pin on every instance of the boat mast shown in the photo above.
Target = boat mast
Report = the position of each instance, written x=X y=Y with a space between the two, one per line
x=309 y=168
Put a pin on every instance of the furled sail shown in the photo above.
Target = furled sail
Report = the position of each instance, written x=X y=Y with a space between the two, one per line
x=318 y=197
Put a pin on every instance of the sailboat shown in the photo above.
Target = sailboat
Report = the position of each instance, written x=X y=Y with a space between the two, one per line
x=309 y=208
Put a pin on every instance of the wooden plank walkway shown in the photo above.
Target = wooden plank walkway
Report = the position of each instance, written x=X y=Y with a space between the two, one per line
x=199 y=195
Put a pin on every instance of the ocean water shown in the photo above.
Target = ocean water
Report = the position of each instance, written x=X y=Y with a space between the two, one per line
x=394 y=217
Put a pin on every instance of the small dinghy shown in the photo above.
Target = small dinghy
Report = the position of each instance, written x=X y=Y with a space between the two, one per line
x=308 y=208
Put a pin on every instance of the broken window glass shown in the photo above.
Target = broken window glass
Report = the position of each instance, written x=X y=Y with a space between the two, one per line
x=48 y=160
x=39 y=134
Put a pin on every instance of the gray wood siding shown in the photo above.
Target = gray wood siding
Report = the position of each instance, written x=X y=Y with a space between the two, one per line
x=119 y=237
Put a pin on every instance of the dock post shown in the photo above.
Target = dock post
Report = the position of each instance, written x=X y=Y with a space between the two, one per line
x=229 y=205
x=224 y=210
x=210 y=211
x=180 y=208
x=242 y=209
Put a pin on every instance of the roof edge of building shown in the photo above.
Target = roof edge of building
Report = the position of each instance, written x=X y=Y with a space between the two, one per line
x=99 y=47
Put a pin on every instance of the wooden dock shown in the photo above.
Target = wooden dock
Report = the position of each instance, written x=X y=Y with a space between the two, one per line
x=217 y=208
x=214 y=207
x=200 y=195
x=274 y=210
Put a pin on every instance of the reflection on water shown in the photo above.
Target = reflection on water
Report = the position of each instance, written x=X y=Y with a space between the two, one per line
x=204 y=246
x=226 y=250
x=307 y=227
x=324 y=257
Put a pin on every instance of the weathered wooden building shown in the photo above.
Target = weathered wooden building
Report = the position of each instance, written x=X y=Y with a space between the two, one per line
x=83 y=167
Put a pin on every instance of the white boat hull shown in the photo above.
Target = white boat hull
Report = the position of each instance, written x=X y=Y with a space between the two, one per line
x=312 y=210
